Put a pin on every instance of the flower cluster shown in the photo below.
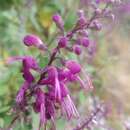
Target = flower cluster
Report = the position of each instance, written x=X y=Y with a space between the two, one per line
x=51 y=91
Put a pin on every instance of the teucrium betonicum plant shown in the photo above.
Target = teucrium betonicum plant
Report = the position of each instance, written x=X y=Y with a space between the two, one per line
x=50 y=93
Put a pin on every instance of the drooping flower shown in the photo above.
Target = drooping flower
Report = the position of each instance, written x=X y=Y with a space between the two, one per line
x=50 y=107
x=72 y=75
x=33 y=40
x=73 y=66
x=69 y=108
x=39 y=105
x=52 y=79
x=80 y=23
x=20 y=98
x=28 y=64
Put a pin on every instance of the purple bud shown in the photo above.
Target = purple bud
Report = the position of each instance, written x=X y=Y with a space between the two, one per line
x=64 y=90
x=84 y=33
x=77 y=49
x=58 y=21
x=85 y=42
x=97 y=25
x=98 y=11
x=81 y=21
x=73 y=66
x=33 y=40
x=63 y=42
x=80 y=13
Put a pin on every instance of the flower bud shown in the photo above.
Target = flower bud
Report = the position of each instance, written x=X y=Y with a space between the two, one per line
x=98 y=11
x=97 y=25
x=81 y=21
x=73 y=66
x=58 y=21
x=80 y=13
x=77 y=49
x=63 y=42
x=85 y=42
x=33 y=40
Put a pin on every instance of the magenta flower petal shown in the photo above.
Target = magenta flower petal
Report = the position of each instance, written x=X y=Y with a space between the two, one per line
x=14 y=58
x=73 y=66
x=69 y=108
x=30 y=63
x=42 y=114
x=50 y=108
x=21 y=94
x=82 y=83
x=89 y=82
x=64 y=90
x=27 y=75
x=85 y=84
x=33 y=40
x=57 y=89
x=53 y=78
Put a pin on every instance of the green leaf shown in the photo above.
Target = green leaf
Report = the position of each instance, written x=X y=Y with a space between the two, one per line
x=82 y=97
x=70 y=20
x=4 y=109
x=35 y=120
x=1 y=123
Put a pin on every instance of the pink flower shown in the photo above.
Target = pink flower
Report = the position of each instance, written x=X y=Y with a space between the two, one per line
x=73 y=66
x=20 y=98
x=33 y=40
x=39 y=105
x=28 y=64
x=85 y=42
x=69 y=108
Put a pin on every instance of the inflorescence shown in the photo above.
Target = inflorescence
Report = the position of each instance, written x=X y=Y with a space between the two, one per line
x=50 y=92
